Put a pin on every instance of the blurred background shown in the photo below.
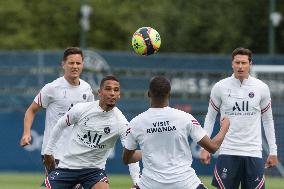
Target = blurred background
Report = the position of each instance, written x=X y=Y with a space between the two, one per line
x=197 y=39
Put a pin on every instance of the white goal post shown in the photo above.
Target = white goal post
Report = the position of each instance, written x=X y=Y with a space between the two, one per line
x=273 y=76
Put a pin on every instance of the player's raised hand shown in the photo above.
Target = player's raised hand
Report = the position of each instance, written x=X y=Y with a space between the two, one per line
x=271 y=161
x=25 y=140
x=205 y=157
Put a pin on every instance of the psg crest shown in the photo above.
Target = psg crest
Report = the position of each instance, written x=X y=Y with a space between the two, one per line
x=251 y=94
x=107 y=130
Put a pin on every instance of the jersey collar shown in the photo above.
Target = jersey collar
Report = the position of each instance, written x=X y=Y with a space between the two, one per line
x=245 y=81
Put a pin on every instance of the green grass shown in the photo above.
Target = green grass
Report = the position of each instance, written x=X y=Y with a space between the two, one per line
x=31 y=181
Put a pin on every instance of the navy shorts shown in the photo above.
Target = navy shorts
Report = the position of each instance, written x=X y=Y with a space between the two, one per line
x=68 y=178
x=201 y=186
x=231 y=170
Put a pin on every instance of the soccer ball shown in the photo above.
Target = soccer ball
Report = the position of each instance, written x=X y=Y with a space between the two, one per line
x=146 y=41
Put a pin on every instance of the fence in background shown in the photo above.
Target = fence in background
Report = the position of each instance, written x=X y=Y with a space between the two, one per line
x=192 y=76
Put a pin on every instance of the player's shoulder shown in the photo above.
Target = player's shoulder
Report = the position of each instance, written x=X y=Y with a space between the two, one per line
x=138 y=117
x=224 y=82
x=182 y=115
x=57 y=82
x=174 y=111
x=84 y=83
x=257 y=82
x=171 y=112
x=53 y=85
x=118 y=113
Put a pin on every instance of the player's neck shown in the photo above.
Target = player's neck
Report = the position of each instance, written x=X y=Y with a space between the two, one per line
x=106 y=107
x=157 y=104
x=241 y=78
x=73 y=81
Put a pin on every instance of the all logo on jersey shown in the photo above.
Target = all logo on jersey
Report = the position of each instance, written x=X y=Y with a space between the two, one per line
x=241 y=106
x=107 y=130
x=91 y=139
x=251 y=94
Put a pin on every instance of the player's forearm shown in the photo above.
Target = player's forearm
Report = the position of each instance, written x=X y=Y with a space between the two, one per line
x=28 y=121
x=268 y=125
x=217 y=140
x=134 y=170
x=213 y=145
x=210 y=120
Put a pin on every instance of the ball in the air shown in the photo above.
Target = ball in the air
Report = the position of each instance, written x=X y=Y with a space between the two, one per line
x=146 y=41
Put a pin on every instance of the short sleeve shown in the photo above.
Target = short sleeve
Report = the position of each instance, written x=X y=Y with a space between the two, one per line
x=130 y=142
x=123 y=126
x=44 y=97
x=196 y=132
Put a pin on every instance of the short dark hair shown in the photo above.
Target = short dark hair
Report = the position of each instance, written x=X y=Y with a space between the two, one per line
x=108 y=77
x=72 y=50
x=159 y=87
x=242 y=51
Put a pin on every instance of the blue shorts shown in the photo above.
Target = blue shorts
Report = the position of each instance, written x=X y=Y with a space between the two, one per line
x=201 y=186
x=68 y=178
x=231 y=170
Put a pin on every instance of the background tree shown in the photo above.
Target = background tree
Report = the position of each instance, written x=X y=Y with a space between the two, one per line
x=190 y=26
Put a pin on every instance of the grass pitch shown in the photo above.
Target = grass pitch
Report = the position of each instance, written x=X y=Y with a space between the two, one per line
x=34 y=180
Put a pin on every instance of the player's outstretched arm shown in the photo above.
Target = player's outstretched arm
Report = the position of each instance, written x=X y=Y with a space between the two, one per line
x=132 y=158
x=28 y=121
x=213 y=145
x=134 y=171
x=55 y=134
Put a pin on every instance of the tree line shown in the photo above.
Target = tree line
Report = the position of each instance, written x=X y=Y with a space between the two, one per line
x=185 y=26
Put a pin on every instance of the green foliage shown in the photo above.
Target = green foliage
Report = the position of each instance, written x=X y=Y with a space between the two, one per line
x=185 y=26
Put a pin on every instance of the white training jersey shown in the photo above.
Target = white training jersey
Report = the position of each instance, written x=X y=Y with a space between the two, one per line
x=57 y=97
x=92 y=137
x=162 y=134
x=245 y=104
